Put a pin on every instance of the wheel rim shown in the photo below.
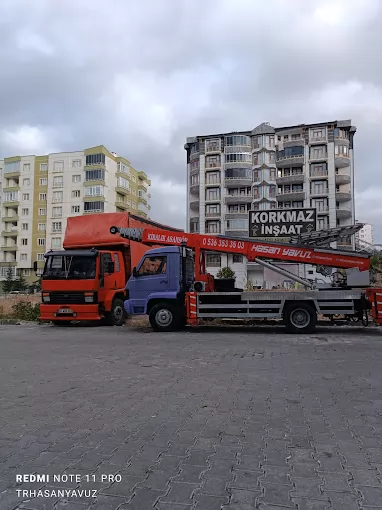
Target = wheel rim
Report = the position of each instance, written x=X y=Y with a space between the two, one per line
x=118 y=313
x=163 y=317
x=300 y=318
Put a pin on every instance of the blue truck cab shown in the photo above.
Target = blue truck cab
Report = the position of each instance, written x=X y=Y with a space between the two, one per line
x=158 y=284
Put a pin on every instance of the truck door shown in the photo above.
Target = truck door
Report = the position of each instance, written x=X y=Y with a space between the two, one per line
x=108 y=277
x=152 y=277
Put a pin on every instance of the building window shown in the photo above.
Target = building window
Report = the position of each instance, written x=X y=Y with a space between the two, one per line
x=95 y=159
x=24 y=242
x=56 y=212
x=42 y=211
x=97 y=206
x=296 y=136
x=76 y=193
x=56 y=242
x=26 y=167
x=94 y=191
x=321 y=204
x=272 y=175
x=213 y=145
x=56 y=226
x=213 y=227
x=237 y=224
x=41 y=226
x=26 y=182
x=318 y=152
x=25 y=211
x=24 y=226
x=194 y=180
x=237 y=140
x=239 y=157
x=40 y=256
x=213 y=194
x=270 y=140
x=75 y=209
x=26 y=272
x=318 y=133
x=213 y=161
x=194 y=225
x=95 y=175
x=58 y=182
x=43 y=167
x=76 y=163
x=213 y=209
x=121 y=181
x=44 y=182
x=41 y=241
x=213 y=260
x=42 y=197
x=58 y=166
x=318 y=187
x=58 y=196
x=272 y=157
x=194 y=165
x=211 y=178
x=23 y=257
x=76 y=178
x=257 y=158
x=25 y=196
x=341 y=150
x=272 y=191
x=237 y=259
x=10 y=168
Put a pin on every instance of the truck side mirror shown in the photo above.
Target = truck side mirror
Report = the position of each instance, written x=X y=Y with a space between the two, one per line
x=35 y=266
x=135 y=272
x=110 y=267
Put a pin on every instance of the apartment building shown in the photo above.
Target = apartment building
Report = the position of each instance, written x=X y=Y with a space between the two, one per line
x=302 y=166
x=365 y=237
x=39 y=193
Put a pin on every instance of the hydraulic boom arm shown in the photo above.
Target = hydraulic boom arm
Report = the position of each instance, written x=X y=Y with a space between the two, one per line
x=252 y=250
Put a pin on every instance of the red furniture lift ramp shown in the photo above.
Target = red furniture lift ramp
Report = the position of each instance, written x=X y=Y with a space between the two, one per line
x=254 y=251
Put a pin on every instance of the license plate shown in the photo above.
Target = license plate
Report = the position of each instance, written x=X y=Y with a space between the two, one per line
x=65 y=310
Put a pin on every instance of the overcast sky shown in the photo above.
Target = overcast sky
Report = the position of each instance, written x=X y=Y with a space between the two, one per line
x=141 y=76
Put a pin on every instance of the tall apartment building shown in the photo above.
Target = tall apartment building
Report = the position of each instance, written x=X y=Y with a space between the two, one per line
x=39 y=193
x=298 y=166
x=365 y=237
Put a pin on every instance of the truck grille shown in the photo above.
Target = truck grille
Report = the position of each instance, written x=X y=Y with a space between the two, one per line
x=67 y=298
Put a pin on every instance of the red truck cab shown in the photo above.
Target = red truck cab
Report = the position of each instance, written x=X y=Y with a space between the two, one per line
x=86 y=280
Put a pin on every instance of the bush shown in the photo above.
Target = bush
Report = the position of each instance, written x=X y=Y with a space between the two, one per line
x=26 y=311
x=226 y=272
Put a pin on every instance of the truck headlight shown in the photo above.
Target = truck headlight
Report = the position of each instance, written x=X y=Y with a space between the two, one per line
x=45 y=298
x=89 y=297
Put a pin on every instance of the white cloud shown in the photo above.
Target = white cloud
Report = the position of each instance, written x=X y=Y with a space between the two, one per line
x=24 y=140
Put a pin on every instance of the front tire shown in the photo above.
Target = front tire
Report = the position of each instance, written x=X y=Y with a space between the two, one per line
x=300 y=318
x=162 y=317
x=117 y=315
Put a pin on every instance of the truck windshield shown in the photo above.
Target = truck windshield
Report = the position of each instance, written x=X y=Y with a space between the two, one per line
x=59 y=267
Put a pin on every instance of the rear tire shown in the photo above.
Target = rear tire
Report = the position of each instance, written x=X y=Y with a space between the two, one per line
x=163 y=317
x=61 y=323
x=117 y=315
x=300 y=318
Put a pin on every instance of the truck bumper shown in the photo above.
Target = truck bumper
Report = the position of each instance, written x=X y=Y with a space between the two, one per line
x=69 y=312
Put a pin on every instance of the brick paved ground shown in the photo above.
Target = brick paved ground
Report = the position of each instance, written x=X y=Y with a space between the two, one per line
x=215 y=419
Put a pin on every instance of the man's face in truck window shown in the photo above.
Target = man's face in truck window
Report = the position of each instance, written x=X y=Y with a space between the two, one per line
x=153 y=265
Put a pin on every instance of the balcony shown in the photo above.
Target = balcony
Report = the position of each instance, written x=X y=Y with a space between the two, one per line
x=291 y=179
x=290 y=161
x=316 y=176
x=297 y=196
x=10 y=218
x=343 y=213
x=194 y=204
x=122 y=205
x=343 y=179
x=341 y=160
x=318 y=157
x=213 y=199
x=213 y=166
x=213 y=182
x=318 y=140
x=194 y=171
x=233 y=215
x=319 y=193
x=8 y=248
x=122 y=190
x=212 y=215
x=238 y=199
x=213 y=230
x=194 y=188
x=343 y=196
x=10 y=232
x=238 y=181
x=323 y=210
x=297 y=142
x=142 y=200
x=212 y=147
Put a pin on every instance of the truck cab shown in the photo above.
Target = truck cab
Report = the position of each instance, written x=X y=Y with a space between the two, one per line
x=83 y=285
x=158 y=285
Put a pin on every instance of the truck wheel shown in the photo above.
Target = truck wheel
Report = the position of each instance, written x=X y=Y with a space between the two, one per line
x=300 y=318
x=117 y=315
x=162 y=317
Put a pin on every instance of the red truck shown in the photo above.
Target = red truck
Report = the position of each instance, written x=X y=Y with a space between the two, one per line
x=86 y=280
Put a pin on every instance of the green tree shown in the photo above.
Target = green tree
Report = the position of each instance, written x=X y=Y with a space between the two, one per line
x=9 y=283
x=20 y=283
x=226 y=272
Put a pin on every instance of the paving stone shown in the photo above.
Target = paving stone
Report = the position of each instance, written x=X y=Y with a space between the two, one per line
x=108 y=503
x=344 y=500
x=311 y=504
x=180 y=493
x=276 y=495
x=307 y=488
x=204 y=502
x=249 y=480
x=364 y=477
x=215 y=486
x=372 y=496
x=142 y=499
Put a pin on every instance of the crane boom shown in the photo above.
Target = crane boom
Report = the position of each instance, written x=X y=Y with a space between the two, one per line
x=252 y=250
